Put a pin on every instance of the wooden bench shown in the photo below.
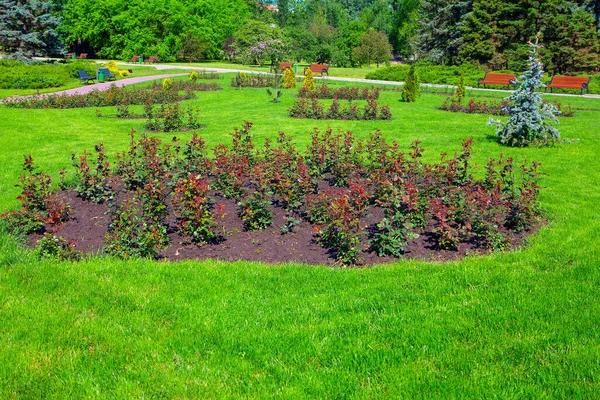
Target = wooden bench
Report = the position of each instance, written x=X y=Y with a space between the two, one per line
x=69 y=56
x=282 y=66
x=497 y=79
x=569 y=82
x=82 y=55
x=152 y=59
x=134 y=59
x=319 y=68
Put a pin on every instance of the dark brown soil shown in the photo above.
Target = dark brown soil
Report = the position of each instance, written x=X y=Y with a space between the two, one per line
x=88 y=224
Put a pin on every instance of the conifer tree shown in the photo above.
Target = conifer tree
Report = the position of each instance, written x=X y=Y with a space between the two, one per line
x=439 y=36
x=459 y=94
x=412 y=87
x=27 y=28
x=527 y=123
x=289 y=79
x=309 y=81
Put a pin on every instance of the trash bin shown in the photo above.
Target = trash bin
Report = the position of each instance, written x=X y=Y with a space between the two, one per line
x=100 y=76
x=73 y=57
x=141 y=60
x=295 y=68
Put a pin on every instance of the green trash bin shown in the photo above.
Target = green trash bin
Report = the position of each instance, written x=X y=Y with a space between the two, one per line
x=141 y=60
x=73 y=56
x=100 y=76
x=295 y=68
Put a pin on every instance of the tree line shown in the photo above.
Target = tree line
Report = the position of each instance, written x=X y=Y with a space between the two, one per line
x=491 y=33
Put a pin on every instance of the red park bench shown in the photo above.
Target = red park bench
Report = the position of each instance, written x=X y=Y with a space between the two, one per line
x=135 y=59
x=319 y=68
x=82 y=55
x=491 y=78
x=282 y=66
x=152 y=59
x=569 y=82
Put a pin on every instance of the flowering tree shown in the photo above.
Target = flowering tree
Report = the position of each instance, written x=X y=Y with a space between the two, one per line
x=528 y=115
x=271 y=51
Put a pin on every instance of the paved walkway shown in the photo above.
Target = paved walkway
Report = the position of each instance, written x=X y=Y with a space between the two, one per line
x=102 y=86
x=159 y=67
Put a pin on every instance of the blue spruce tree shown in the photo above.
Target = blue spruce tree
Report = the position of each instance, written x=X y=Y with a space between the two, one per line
x=27 y=28
x=528 y=114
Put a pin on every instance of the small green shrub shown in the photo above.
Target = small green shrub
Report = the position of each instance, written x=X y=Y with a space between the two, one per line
x=412 y=87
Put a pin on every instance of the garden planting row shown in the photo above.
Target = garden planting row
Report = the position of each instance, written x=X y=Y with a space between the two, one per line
x=168 y=91
x=342 y=200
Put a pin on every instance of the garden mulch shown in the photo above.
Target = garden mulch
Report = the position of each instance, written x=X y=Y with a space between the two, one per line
x=88 y=224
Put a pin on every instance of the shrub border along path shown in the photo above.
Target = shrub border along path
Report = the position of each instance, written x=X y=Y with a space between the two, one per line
x=104 y=85
x=343 y=79
x=131 y=81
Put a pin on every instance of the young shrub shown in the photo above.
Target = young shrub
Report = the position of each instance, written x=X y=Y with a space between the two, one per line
x=123 y=110
x=309 y=81
x=38 y=206
x=57 y=247
x=460 y=92
x=254 y=211
x=276 y=94
x=194 y=210
x=112 y=67
x=289 y=79
x=528 y=114
x=194 y=76
x=93 y=183
x=343 y=229
x=167 y=83
x=129 y=236
x=394 y=231
x=412 y=87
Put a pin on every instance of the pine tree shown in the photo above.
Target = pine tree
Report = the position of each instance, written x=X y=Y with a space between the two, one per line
x=527 y=123
x=27 y=28
x=412 y=87
x=439 y=35
x=572 y=42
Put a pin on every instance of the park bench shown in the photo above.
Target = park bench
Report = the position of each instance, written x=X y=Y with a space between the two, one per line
x=107 y=74
x=319 y=68
x=569 y=82
x=69 y=56
x=85 y=78
x=282 y=66
x=498 y=79
x=82 y=55
x=152 y=59
x=135 y=59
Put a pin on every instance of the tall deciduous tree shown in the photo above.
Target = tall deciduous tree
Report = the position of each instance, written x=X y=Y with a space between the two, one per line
x=27 y=28
x=374 y=46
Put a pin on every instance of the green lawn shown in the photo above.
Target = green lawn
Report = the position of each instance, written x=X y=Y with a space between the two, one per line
x=521 y=324
x=358 y=72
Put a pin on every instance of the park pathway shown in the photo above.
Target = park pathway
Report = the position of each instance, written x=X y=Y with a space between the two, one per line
x=159 y=67
x=337 y=78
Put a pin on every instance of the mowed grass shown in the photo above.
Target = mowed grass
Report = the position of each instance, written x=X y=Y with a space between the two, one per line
x=521 y=324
